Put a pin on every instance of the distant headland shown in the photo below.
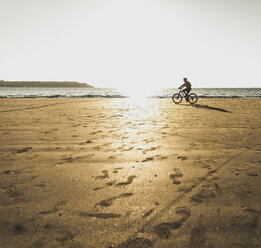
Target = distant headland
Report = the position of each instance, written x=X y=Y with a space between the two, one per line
x=39 y=84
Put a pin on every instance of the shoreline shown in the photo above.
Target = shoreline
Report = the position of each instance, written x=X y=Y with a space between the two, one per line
x=113 y=97
x=249 y=93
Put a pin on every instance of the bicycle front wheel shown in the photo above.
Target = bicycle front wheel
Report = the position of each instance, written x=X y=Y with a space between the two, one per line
x=177 y=98
x=193 y=98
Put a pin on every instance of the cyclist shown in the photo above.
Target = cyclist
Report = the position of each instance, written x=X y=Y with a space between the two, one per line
x=186 y=86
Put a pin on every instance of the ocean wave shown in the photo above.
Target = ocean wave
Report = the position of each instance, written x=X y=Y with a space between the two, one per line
x=151 y=97
x=113 y=93
x=65 y=96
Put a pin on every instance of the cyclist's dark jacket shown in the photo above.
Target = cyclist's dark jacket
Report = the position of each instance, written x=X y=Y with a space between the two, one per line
x=187 y=84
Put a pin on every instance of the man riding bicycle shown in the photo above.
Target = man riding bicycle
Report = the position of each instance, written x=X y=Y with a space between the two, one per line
x=186 y=86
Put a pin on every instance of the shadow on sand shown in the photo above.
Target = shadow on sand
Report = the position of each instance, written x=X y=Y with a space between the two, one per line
x=211 y=108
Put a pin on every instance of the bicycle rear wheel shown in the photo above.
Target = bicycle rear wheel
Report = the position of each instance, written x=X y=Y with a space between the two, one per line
x=177 y=98
x=193 y=98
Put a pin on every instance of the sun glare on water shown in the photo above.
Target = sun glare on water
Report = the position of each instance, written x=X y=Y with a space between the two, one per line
x=136 y=95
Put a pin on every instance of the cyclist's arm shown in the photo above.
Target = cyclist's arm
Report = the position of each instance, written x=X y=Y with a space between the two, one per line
x=182 y=85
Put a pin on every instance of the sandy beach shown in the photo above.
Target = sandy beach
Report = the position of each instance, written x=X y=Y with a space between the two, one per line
x=103 y=173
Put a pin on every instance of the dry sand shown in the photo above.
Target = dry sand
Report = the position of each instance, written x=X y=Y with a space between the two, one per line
x=111 y=173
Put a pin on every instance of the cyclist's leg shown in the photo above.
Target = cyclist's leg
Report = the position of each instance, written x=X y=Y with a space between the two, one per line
x=186 y=94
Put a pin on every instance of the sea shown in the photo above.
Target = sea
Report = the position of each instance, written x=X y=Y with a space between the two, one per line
x=12 y=92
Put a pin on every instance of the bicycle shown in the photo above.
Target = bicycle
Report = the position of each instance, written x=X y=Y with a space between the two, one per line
x=177 y=97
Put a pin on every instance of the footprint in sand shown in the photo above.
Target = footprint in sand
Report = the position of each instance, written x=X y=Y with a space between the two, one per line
x=127 y=149
x=105 y=186
x=51 y=211
x=61 y=203
x=177 y=174
x=148 y=213
x=13 y=192
x=116 y=169
x=129 y=181
x=97 y=148
x=108 y=202
x=251 y=173
x=105 y=175
x=19 y=229
x=207 y=192
x=137 y=242
x=100 y=215
x=249 y=210
x=111 y=157
x=95 y=132
x=23 y=150
x=148 y=159
x=163 y=230
x=17 y=171
x=69 y=159
x=182 y=158
x=41 y=185
x=55 y=209
x=7 y=172
x=84 y=143
x=198 y=235
x=106 y=144
x=162 y=157
x=187 y=187
x=149 y=149
x=62 y=236
x=148 y=140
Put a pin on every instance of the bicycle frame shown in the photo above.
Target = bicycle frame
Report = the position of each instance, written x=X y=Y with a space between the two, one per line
x=183 y=93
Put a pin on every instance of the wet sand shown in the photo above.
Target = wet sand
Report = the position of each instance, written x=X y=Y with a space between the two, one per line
x=103 y=173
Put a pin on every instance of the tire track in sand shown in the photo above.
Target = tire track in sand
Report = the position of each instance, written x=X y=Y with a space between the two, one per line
x=134 y=240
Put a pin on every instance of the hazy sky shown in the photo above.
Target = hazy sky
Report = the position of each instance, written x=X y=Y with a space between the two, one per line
x=128 y=43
